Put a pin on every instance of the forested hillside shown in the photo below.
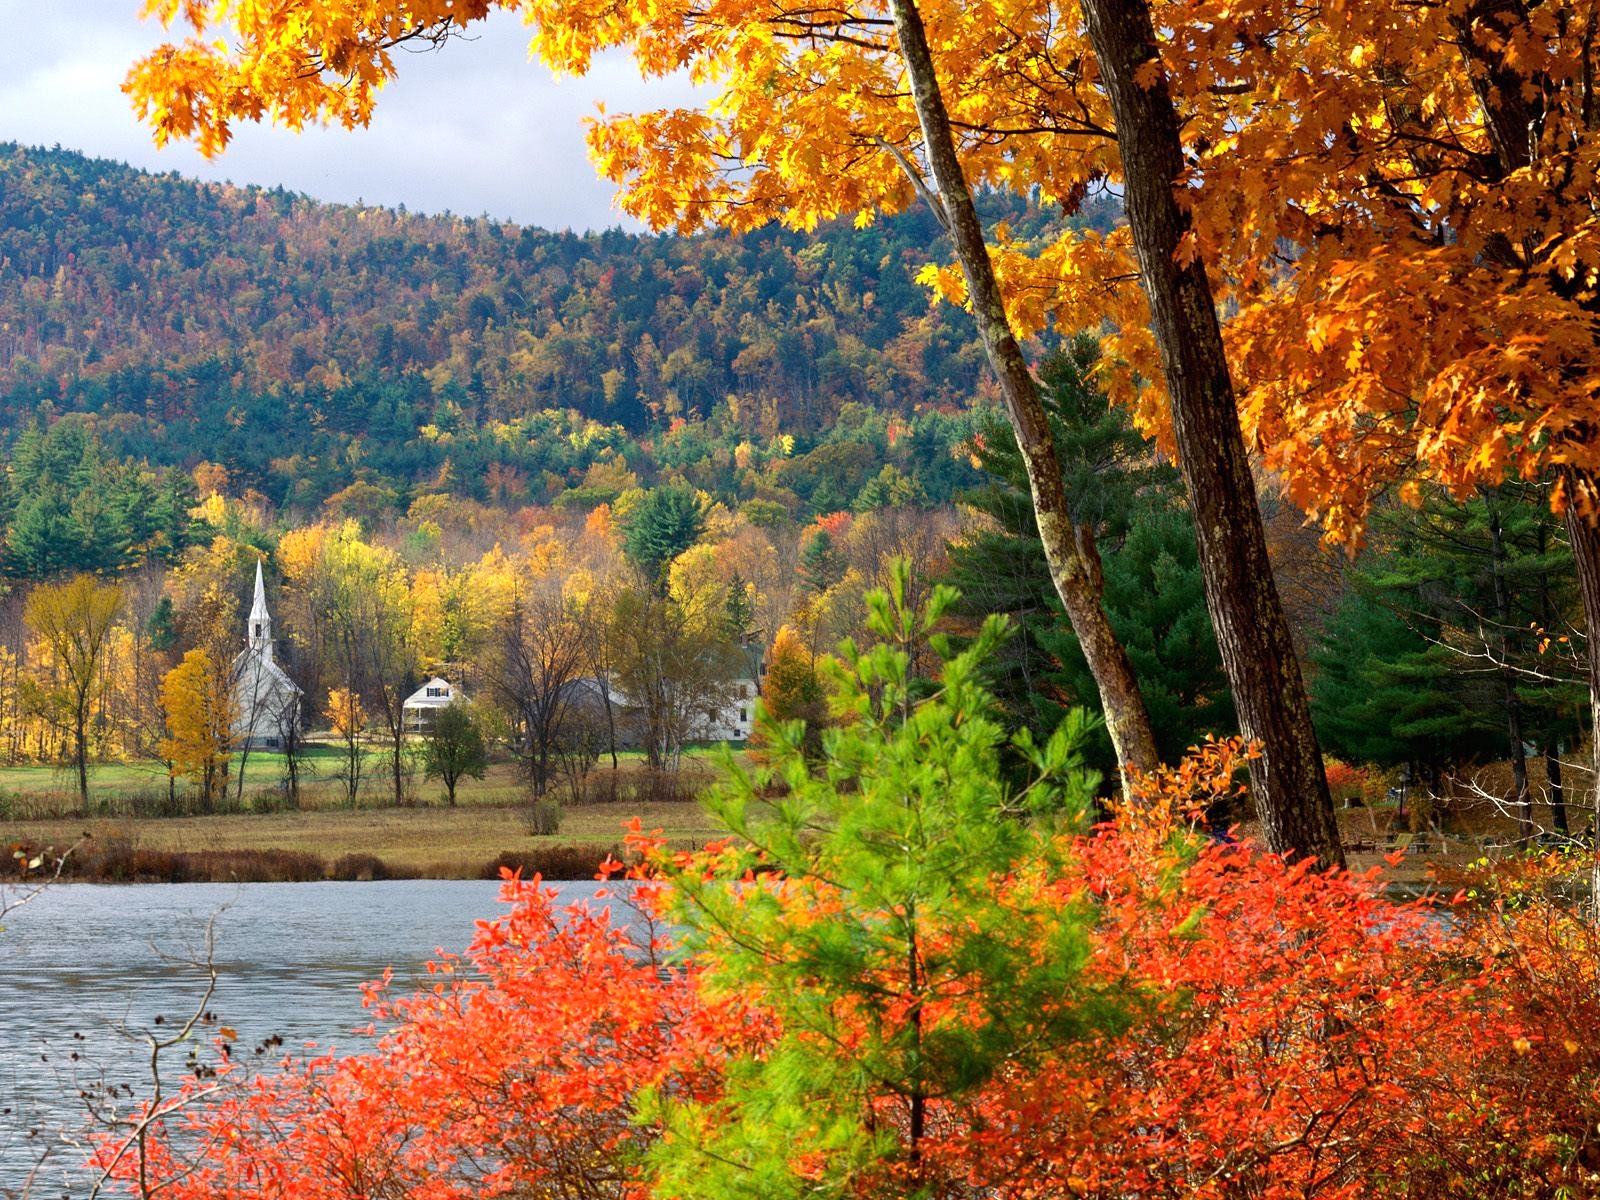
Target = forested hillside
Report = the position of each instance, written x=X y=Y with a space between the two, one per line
x=310 y=347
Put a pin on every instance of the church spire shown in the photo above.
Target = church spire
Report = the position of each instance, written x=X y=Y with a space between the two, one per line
x=260 y=637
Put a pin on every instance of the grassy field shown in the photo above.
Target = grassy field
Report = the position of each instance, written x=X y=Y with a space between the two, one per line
x=39 y=807
x=491 y=817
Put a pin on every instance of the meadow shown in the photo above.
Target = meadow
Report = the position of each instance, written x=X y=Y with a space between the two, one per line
x=135 y=828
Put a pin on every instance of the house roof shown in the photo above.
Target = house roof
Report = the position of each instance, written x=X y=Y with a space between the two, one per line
x=421 y=699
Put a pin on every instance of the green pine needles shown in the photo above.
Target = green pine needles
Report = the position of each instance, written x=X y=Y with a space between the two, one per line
x=859 y=903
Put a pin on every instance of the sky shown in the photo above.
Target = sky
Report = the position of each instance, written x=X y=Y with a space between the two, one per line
x=476 y=128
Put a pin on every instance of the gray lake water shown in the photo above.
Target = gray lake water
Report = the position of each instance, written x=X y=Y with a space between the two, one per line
x=82 y=960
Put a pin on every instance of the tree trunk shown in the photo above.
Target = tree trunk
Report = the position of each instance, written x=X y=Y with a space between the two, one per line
x=1552 y=775
x=1290 y=790
x=81 y=754
x=1068 y=548
x=1508 y=685
x=1583 y=530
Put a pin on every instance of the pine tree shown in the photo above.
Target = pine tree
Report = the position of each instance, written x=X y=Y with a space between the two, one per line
x=665 y=523
x=1433 y=658
x=896 y=981
x=1154 y=596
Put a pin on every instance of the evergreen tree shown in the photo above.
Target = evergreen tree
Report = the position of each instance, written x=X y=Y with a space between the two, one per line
x=1433 y=658
x=822 y=563
x=665 y=523
x=1385 y=693
x=1154 y=596
x=895 y=986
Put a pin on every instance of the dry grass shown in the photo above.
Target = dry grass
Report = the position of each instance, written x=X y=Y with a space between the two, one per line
x=434 y=842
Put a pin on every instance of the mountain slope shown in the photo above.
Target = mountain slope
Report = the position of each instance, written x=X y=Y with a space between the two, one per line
x=310 y=346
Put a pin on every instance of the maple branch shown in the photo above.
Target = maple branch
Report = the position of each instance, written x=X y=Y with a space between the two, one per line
x=997 y=133
x=919 y=183
x=435 y=35
x=826 y=24
x=842 y=39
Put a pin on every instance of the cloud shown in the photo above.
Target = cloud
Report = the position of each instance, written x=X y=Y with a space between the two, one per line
x=474 y=128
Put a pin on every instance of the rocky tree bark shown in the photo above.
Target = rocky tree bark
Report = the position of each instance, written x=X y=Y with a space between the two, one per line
x=1069 y=546
x=1287 y=781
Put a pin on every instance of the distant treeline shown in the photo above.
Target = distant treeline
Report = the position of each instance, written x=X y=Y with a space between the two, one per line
x=310 y=347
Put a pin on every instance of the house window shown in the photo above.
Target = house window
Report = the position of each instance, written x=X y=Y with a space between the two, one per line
x=436 y=692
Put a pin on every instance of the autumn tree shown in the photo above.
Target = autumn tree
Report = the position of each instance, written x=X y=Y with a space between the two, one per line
x=791 y=689
x=73 y=620
x=370 y=636
x=455 y=748
x=197 y=697
x=676 y=672
x=532 y=664
x=348 y=719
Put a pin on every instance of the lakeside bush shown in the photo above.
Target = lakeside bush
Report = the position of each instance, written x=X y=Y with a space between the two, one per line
x=543 y=817
x=365 y=868
x=551 y=862
x=116 y=860
x=120 y=861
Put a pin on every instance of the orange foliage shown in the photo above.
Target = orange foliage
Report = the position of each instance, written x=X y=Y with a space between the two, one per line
x=835 y=524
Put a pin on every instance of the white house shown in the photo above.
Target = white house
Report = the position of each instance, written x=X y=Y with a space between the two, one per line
x=266 y=702
x=733 y=719
x=422 y=707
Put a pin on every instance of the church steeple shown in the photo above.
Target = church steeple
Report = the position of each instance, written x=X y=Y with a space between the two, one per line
x=260 y=635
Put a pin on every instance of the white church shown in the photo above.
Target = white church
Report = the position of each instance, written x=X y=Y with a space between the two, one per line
x=266 y=703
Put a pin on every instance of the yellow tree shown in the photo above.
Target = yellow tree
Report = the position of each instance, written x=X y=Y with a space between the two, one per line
x=370 y=634
x=791 y=689
x=307 y=601
x=198 y=703
x=73 y=620
x=349 y=720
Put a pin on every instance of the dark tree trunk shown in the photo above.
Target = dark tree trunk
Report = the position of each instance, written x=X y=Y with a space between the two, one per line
x=1583 y=530
x=1290 y=790
x=1068 y=547
x=80 y=743
x=1508 y=685
x=1552 y=775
